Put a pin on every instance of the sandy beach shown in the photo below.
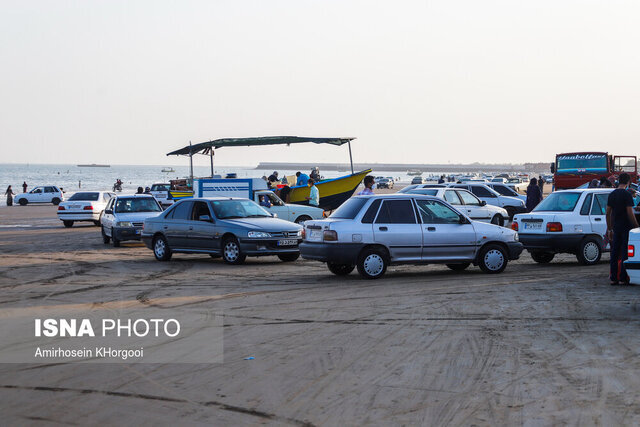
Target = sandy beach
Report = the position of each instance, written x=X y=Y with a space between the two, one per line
x=536 y=345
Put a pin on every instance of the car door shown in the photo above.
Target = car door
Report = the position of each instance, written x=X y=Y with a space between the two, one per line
x=396 y=228
x=49 y=193
x=202 y=231
x=473 y=206
x=445 y=236
x=597 y=215
x=176 y=224
x=36 y=195
x=483 y=193
x=107 y=217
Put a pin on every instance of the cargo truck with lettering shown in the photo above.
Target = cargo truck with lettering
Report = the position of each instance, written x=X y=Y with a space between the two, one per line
x=571 y=170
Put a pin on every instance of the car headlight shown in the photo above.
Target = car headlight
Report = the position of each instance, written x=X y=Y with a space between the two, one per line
x=299 y=233
x=124 y=224
x=258 y=234
x=516 y=238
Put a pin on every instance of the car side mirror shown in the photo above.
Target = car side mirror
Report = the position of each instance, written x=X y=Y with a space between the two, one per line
x=108 y=211
x=463 y=220
x=483 y=202
x=205 y=218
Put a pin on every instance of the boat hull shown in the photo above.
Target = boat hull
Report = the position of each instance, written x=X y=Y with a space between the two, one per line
x=333 y=192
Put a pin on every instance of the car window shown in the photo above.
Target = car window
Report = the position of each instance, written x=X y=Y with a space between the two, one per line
x=275 y=201
x=199 y=209
x=434 y=212
x=599 y=206
x=586 y=205
x=558 y=202
x=425 y=191
x=481 y=191
x=452 y=197
x=350 y=208
x=468 y=198
x=138 y=204
x=85 y=196
x=396 y=212
x=160 y=187
x=370 y=215
x=37 y=190
x=504 y=190
x=181 y=210
x=233 y=209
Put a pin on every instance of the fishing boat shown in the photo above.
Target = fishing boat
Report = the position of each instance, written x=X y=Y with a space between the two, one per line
x=333 y=192
x=168 y=170
x=414 y=172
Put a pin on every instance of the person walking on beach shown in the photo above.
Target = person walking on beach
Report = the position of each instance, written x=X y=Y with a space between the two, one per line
x=314 y=194
x=9 y=193
x=24 y=186
x=620 y=220
x=534 y=195
x=368 y=185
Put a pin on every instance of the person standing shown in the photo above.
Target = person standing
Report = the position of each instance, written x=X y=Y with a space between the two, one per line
x=24 y=186
x=441 y=180
x=534 y=195
x=620 y=220
x=541 y=184
x=368 y=186
x=9 y=193
x=314 y=194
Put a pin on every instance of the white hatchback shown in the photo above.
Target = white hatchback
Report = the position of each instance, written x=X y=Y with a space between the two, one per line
x=42 y=194
x=568 y=221
x=83 y=206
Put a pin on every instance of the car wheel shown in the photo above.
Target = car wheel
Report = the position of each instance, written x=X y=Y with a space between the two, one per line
x=372 y=263
x=231 y=253
x=340 y=269
x=161 y=249
x=492 y=259
x=542 y=257
x=589 y=252
x=105 y=239
x=289 y=257
x=497 y=220
x=55 y=201
x=302 y=218
x=116 y=242
x=459 y=267
x=23 y=202
x=68 y=224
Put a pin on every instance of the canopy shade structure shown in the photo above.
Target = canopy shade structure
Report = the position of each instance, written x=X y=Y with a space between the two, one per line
x=207 y=148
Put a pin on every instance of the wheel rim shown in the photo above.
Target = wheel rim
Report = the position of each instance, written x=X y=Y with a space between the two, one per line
x=231 y=251
x=373 y=265
x=494 y=259
x=160 y=248
x=591 y=251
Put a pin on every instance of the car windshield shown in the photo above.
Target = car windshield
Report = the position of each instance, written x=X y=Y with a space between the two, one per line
x=588 y=162
x=90 y=197
x=160 y=187
x=558 y=202
x=407 y=188
x=233 y=209
x=505 y=191
x=425 y=191
x=350 y=208
x=131 y=205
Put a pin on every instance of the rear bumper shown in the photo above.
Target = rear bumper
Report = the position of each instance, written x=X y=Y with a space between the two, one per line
x=338 y=253
x=633 y=265
x=551 y=242
x=515 y=249
x=76 y=216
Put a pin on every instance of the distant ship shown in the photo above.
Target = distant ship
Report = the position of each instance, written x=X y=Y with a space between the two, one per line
x=414 y=172
x=93 y=165
x=168 y=170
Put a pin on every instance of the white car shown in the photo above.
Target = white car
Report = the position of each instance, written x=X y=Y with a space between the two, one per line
x=567 y=221
x=42 y=194
x=517 y=184
x=467 y=204
x=83 y=206
x=513 y=205
x=162 y=193
x=505 y=190
x=288 y=212
x=632 y=265
x=124 y=216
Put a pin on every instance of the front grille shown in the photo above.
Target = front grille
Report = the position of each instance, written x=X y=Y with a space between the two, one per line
x=287 y=234
x=137 y=224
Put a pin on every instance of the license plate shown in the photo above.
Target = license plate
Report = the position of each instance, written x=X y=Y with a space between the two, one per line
x=314 y=235
x=287 y=242
x=532 y=225
x=75 y=206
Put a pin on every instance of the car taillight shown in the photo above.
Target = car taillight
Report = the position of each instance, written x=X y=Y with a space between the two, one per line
x=330 y=236
x=60 y=208
x=304 y=233
x=631 y=251
x=554 y=227
x=88 y=208
x=514 y=226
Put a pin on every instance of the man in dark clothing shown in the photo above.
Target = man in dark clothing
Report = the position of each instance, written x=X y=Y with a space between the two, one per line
x=534 y=195
x=620 y=220
x=441 y=180
x=541 y=184
x=24 y=186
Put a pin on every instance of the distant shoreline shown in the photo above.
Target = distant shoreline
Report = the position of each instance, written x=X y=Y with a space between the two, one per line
x=403 y=167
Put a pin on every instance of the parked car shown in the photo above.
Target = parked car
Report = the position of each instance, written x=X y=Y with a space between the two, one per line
x=517 y=184
x=468 y=204
x=416 y=180
x=42 y=194
x=632 y=265
x=505 y=190
x=84 y=206
x=288 y=211
x=373 y=232
x=124 y=216
x=567 y=221
x=385 y=183
x=499 y=180
x=513 y=205
x=221 y=226
x=162 y=193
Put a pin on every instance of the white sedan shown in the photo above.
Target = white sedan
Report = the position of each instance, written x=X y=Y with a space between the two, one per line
x=468 y=204
x=42 y=194
x=83 y=206
x=632 y=265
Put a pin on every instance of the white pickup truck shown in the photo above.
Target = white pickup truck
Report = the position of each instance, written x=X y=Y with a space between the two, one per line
x=255 y=189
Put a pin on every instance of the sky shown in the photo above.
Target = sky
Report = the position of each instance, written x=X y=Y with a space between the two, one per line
x=451 y=81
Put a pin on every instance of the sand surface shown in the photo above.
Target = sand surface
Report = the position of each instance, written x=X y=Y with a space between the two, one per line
x=536 y=345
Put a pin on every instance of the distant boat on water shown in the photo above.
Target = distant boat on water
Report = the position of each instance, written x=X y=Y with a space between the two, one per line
x=168 y=170
x=93 y=165
x=414 y=172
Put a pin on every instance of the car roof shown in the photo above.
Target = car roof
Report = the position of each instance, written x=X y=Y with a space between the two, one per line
x=129 y=196
x=396 y=196
x=218 y=198
x=585 y=190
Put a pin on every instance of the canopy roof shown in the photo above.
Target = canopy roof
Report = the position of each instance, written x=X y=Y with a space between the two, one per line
x=206 y=147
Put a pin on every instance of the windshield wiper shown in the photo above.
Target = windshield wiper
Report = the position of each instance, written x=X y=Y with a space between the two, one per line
x=257 y=216
x=232 y=217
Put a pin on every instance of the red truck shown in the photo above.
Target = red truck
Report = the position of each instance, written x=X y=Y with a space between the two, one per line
x=571 y=170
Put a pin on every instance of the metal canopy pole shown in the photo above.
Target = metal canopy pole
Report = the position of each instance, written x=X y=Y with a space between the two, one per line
x=191 y=164
x=211 y=157
x=350 y=157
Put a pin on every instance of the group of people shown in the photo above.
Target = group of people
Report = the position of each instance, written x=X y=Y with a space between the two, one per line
x=283 y=190
x=535 y=190
x=9 y=193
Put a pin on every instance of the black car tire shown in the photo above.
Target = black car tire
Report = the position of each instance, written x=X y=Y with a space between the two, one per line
x=459 y=267
x=511 y=212
x=372 y=263
x=589 y=251
x=302 y=218
x=542 y=257
x=68 y=224
x=105 y=239
x=493 y=259
x=340 y=269
x=289 y=257
x=23 y=202
x=497 y=220
x=161 y=249
x=55 y=201
x=96 y=223
x=114 y=240
x=231 y=252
